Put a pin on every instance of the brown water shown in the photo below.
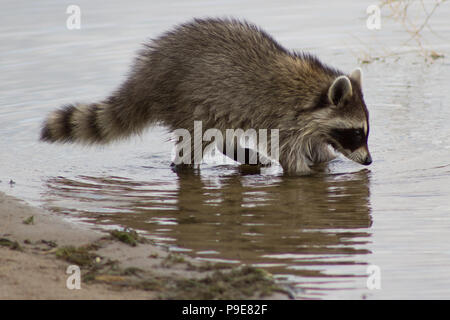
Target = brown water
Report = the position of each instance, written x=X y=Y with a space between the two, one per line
x=319 y=233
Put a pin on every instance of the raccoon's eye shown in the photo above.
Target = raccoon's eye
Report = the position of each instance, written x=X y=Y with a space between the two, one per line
x=359 y=133
x=350 y=139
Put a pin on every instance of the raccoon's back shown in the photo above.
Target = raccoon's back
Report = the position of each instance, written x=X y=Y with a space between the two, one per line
x=216 y=43
x=226 y=68
x=216 y=66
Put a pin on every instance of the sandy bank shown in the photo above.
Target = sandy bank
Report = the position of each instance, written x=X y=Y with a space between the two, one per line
x=36 y=248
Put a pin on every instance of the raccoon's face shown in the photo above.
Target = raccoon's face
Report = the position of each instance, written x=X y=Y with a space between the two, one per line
x=348 y=128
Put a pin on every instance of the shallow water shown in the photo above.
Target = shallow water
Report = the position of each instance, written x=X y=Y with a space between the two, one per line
x=319 y=234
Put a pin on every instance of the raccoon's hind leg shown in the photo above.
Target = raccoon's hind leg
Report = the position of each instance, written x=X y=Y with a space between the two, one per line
x=186 y=156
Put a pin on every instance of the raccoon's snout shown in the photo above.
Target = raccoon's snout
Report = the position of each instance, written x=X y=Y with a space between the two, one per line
x=367 y=160
x=361 y=155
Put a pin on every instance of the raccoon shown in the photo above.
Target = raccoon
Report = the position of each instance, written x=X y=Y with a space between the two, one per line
x=229 y=74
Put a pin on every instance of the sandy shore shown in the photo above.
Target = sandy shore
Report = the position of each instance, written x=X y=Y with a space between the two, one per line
x=36 y=248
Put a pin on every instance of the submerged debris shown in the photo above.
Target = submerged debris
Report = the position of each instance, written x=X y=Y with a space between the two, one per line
x=128 y=236
x=239 y=283
x=236 y=283
x=29 y=220
x=80 y=256
x=13 y=245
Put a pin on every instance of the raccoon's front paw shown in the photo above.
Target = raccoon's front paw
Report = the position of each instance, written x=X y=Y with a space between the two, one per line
x=254 y=158
x=264 y=162
x=249 y=169
x=182 y=167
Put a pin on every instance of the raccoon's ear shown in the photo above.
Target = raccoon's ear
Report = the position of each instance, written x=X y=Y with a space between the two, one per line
x=340 y=89
x=357 y=76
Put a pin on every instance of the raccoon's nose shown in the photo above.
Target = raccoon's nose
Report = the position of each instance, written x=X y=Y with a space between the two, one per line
x=368 y=160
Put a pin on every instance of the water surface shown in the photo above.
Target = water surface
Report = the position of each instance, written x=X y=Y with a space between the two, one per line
x=319 y=233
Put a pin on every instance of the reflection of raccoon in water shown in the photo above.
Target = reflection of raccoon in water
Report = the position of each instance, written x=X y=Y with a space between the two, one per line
x=229 y=74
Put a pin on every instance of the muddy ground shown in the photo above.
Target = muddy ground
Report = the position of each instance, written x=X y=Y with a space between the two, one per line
x=37 y=247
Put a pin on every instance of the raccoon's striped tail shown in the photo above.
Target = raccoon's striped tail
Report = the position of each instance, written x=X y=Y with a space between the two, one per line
x=92 y=123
